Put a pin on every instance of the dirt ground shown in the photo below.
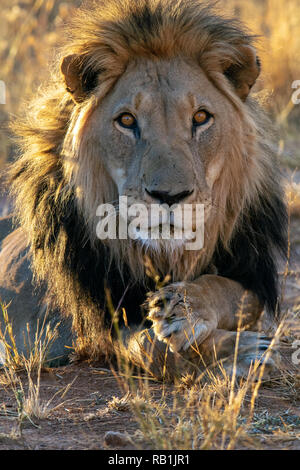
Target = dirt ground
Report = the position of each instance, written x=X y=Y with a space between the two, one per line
x=85 y=418
x=81 y=423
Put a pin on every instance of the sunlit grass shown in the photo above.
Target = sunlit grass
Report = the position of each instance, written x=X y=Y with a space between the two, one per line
x=36 y=351
x=29 y=404
x=208 y=411
x=278 y=25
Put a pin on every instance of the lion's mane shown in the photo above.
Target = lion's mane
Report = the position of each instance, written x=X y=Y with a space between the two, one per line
x=78 y=270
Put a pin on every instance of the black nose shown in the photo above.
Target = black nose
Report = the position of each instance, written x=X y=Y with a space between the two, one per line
x=165 y=197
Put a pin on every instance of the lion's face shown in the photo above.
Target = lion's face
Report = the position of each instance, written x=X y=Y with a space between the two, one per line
x=162 y=134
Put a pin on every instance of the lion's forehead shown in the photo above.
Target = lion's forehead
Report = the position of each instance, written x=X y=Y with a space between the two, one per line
x=146 y=84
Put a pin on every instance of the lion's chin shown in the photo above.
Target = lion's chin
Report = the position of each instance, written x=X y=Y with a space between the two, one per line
x=169 y=245
x=161 y=246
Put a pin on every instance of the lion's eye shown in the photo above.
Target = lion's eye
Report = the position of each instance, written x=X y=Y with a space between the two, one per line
x=201 y=117
x=127 y=120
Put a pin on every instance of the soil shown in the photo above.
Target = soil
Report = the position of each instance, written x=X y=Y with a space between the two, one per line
x=85 y=417
x=81 y=423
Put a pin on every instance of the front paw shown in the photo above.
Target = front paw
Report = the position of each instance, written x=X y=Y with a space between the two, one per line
x=175 y=320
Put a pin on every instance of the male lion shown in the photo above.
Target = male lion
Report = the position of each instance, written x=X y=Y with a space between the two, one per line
x=152 y=103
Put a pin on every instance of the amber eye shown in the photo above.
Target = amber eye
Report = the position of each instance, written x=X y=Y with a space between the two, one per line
x=201 y=117
x=127 y=120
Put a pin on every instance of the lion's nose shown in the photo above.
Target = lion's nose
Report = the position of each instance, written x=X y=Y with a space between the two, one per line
x=165 y=197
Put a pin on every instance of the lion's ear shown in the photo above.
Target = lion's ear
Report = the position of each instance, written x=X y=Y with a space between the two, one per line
x=243 y=74
x=80 y=79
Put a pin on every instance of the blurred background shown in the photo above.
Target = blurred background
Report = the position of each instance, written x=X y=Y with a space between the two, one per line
x=29 y=31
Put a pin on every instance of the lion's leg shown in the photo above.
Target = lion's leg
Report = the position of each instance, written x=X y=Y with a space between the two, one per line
x=223 y=345
x=187 y=312
x=147 y=352
x=205 y=314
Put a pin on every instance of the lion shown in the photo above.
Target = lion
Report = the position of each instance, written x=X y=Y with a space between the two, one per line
x=150 y=100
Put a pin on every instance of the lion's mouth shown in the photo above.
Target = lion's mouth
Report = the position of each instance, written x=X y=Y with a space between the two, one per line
x=179 y=223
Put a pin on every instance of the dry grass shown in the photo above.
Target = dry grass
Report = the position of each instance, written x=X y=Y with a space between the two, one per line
x=209 y=411
x=30 y=406
x=28 y=34
x=36 y=352
x=278 y=24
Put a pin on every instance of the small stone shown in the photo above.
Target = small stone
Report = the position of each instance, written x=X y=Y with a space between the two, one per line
x=116 y=439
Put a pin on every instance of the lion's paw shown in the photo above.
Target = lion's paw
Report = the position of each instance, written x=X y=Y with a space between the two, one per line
x=175 y=320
